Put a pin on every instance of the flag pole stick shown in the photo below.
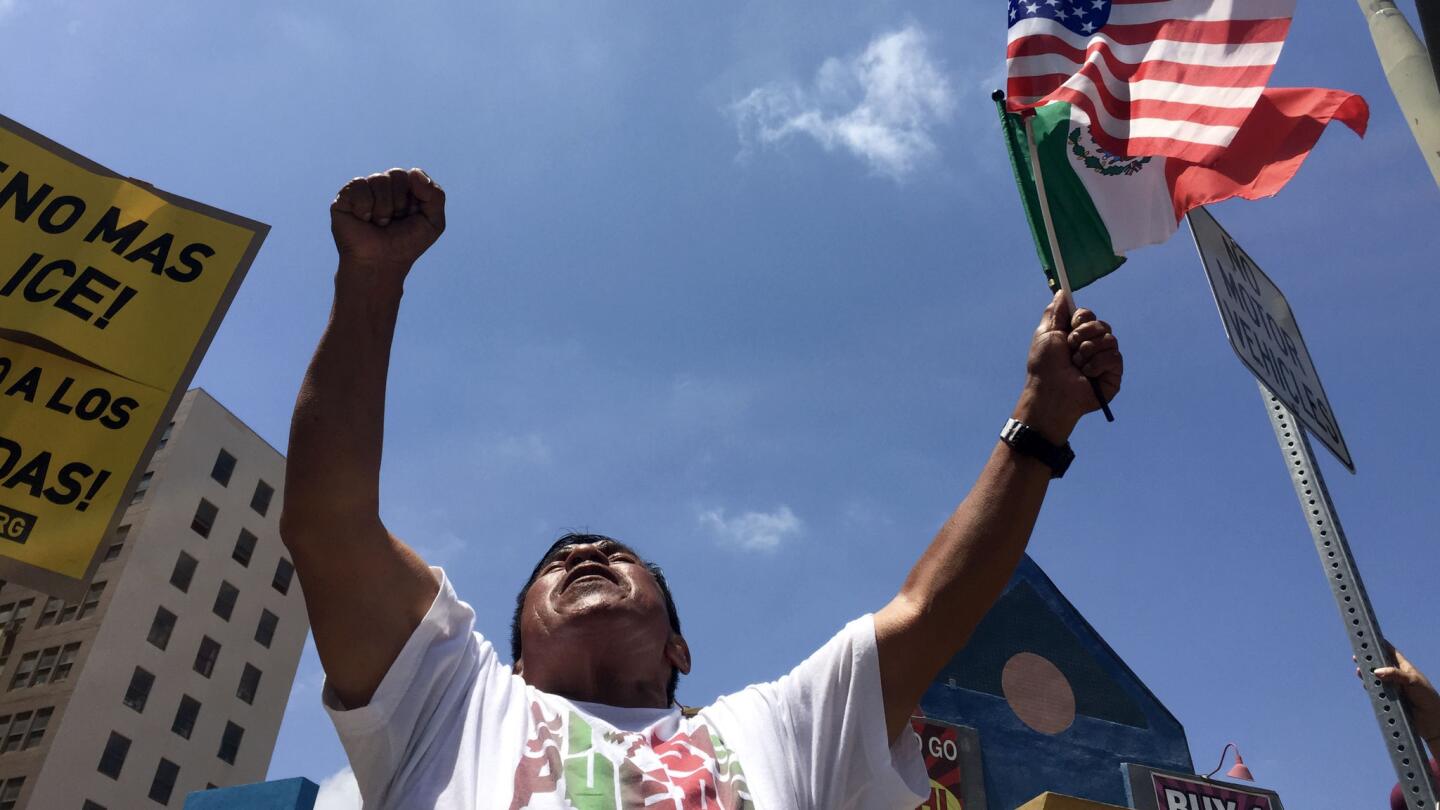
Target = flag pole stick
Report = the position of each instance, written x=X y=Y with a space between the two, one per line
x=1055 y=246
x=1045 y=209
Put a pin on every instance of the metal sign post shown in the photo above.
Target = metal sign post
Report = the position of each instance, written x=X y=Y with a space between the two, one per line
x=1262 y=330
x=1407 y=751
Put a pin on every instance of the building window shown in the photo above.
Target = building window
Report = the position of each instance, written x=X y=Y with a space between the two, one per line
x=91 y=602
x=57 y=611
x=45 y=666
x=249 y=682
x=265 y=631
x=25 y=730
x=230 y=742
x=223 y=469
x=164 y=782
x=184 y=571
x=13 y=614
x=89 y=805
x=24 y=670
x=205 y=657
x=141 y=487
x=10 y=792
x=165 y=437
x=260 y=501
x=161 y=627
x=225 y=600
x=204 y=519
x=283 y=572
x=114 y=757
x=185 y=716
x=139 y=691
x=244 y=548
x=117 y=543
x=37 y=727
x=15 y=732
x=49 y=612
x=66 y=661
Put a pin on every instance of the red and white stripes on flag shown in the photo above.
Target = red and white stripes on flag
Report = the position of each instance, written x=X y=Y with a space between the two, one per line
x=1172 y=78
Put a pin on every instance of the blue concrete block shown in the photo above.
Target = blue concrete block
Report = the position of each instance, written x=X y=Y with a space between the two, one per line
x=285 y=794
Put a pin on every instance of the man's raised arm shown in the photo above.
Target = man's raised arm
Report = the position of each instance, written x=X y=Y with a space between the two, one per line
x=973 y=556
x=364 y=589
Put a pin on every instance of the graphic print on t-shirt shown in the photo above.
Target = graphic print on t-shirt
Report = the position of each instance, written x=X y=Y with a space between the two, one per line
x=596 y=769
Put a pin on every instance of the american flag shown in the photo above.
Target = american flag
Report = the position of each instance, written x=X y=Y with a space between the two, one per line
x=1155 y=77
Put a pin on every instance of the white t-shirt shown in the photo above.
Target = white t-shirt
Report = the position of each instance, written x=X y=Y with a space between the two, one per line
x=451 y=727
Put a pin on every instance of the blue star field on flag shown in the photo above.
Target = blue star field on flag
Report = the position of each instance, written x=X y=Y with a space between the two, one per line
x=1083 y=17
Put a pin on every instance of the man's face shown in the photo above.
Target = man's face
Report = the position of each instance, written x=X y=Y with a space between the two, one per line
x=593 y=593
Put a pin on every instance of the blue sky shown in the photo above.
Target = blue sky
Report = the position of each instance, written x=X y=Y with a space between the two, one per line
x=749 y=286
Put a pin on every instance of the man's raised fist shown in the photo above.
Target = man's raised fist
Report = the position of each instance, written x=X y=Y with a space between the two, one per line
x=385 y=221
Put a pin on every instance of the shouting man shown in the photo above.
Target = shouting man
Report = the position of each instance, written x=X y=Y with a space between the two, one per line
x=584 y=715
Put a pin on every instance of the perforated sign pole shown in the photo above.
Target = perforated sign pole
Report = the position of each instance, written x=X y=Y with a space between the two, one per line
x=1407 y=752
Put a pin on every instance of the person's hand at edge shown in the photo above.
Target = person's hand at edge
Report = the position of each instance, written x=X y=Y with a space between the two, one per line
x=1417 y=692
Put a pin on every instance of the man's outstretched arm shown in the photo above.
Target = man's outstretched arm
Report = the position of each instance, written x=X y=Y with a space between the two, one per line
x=973 y=556
x=364 y=589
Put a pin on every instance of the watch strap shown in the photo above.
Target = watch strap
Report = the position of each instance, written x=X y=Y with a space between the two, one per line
x=1028 y=441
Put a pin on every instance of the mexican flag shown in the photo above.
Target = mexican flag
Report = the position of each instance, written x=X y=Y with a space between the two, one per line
x=1104 y=206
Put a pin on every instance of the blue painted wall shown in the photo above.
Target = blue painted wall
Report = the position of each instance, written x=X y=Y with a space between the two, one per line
x=1117 y=718
x=285 y=794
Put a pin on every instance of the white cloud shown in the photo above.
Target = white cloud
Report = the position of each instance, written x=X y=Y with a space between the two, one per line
x=339 y=791
x=753 y=531
x=880 y=105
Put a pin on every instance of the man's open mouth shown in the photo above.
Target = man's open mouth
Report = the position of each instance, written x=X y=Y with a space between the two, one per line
x=588 y=569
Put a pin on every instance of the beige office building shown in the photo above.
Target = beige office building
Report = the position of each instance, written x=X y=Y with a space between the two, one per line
x=173 y=673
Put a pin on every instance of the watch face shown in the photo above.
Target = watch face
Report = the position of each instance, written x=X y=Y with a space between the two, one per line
x=1012 y=427
x=1025 y=440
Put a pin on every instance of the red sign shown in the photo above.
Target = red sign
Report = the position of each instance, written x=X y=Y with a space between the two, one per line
x=941 y=745
x=1174 y=793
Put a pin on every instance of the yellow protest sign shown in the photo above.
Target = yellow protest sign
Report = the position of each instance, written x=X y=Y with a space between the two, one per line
x=70 y=436
x=110 y=291
x=105 y=268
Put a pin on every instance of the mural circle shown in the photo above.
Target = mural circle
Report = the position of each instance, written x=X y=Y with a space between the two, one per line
x=1038 y=692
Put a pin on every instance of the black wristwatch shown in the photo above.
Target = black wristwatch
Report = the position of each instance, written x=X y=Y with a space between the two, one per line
x=1028 y=441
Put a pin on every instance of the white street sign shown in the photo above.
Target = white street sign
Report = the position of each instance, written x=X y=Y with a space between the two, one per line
x=1263 y=332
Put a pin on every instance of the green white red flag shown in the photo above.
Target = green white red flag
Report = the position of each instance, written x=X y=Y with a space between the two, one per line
x=1104 y=205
